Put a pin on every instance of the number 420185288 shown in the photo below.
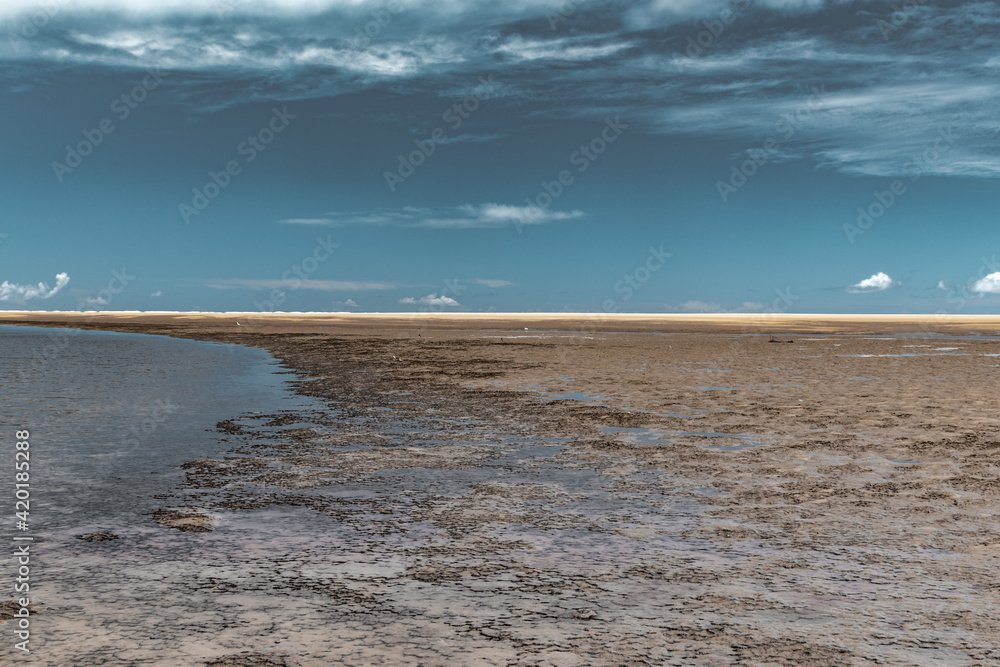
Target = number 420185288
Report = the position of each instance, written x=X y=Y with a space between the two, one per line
x=21 y=478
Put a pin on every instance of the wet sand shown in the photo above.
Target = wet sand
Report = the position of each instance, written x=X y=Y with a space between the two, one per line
x=589 y=491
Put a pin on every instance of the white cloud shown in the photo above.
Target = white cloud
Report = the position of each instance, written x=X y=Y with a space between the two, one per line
x=431 y=300
x=479 y=216
x=466 y=216
x=157 y=293
x=942 y=285
x=493 y=283
x=558 y=49
x=988 y=285
x=15 y=292
x=293 y=284
x=351 y=303
x=95 y=301
x=877 y=283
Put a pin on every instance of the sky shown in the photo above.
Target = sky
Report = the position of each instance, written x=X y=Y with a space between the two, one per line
x=654 y=156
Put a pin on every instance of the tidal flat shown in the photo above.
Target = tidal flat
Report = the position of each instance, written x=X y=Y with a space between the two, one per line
x=536 y=491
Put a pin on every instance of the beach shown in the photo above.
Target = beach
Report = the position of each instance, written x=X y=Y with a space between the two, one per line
x=582 y=490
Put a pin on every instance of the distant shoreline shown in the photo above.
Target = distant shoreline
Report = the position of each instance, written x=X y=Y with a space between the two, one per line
x=293 y=322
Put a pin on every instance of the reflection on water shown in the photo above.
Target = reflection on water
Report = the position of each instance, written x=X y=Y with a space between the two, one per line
x=112 y=414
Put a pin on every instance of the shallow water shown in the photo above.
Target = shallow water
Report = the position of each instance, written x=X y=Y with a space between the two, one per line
x=112 y=414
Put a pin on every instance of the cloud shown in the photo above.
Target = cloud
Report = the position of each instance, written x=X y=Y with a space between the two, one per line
x=321 y=285
x=466 y=216
x=988 y=285
x=348 y=303
x=474 y=138
x=877 y=283
x=94 y=301
x=14 y=292
x=492 y=283
x=431 y=300
x=482 y=216
x=696 y=306
x=699 y=306
x=157 y=293
x=942 y=285
x=886 y=100
x=750 y=307
x=306 y=221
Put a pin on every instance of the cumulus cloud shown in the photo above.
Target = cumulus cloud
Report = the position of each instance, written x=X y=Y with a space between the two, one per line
x=431 y=300
x=942 y=285
x=988 y=285
x=14 y=292
x=877 y=283
x=157 y=293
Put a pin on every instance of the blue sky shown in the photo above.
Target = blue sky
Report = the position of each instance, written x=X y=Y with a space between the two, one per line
x=580 y=155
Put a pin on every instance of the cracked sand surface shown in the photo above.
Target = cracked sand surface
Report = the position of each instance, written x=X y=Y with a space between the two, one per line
x=443 y=510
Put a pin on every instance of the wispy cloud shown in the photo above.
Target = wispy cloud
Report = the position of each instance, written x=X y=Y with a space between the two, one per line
x=431 y=300
x=698 y=306
x=876 y=283
x=480 y=216
x=495 y=284
x=474 y=138
x=321 y=285
x=467 y=216
x=157 y=293
x=20 y=293
x=885 y=100
x=306 y=221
